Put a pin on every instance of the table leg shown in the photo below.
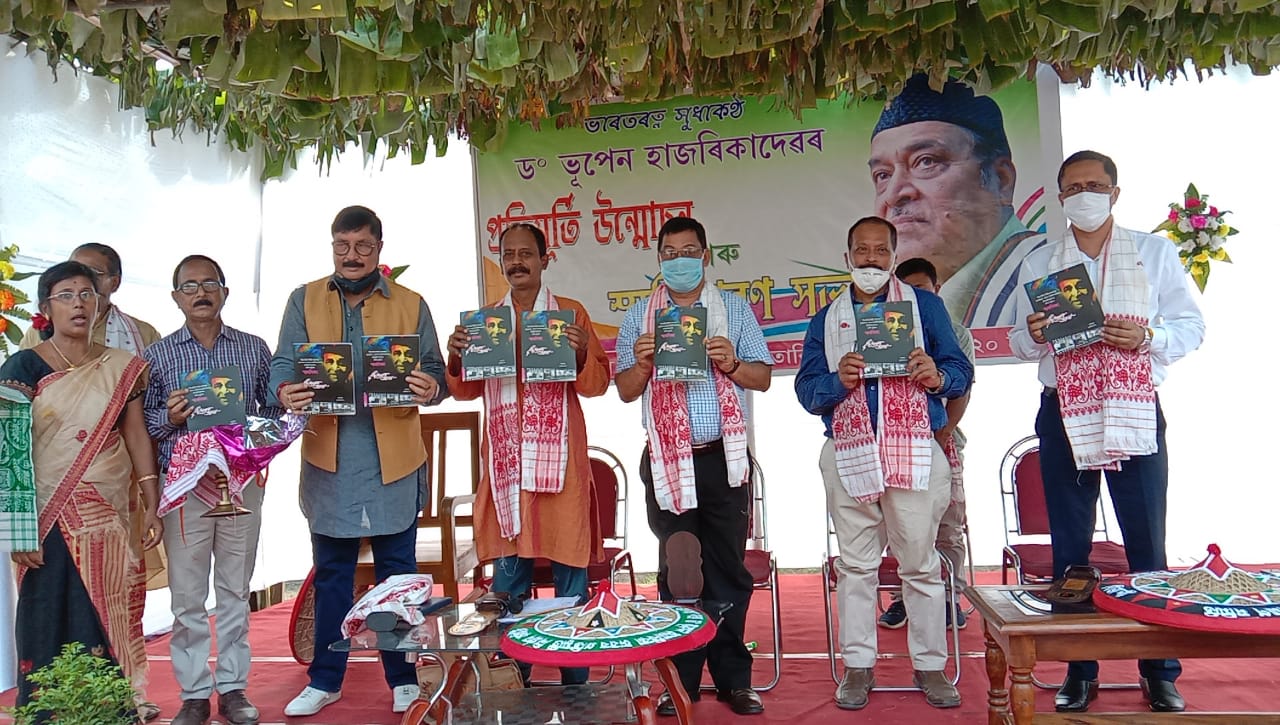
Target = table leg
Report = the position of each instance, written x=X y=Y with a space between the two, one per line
x=671 y=678
x=646 y=712
x=997 y=695
x=438 y=704
x=1023 y=695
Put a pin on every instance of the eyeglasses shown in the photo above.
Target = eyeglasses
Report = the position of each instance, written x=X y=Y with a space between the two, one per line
x=208 y=285
x=69 y=298
x=688 y=253
x=364 y=249
x=1092 y=187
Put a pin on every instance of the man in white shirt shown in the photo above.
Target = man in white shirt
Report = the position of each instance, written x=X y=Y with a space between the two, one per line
x=1152 y=320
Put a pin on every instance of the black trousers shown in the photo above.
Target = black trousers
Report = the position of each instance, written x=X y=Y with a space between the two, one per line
x=1139 y=491
x=721 y=523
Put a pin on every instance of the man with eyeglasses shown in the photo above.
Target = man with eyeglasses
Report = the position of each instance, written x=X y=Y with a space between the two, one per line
x=205 y=342
x=696 y=468
x=112 y=328
x=1098 y=409
x=362 y=475
x=944 y=176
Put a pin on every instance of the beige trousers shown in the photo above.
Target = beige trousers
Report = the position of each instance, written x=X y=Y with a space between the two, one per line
x=908 y=522
x=232 y=545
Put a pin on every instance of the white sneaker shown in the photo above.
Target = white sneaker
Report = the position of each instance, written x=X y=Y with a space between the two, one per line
x=403 y=696
x=310 y=701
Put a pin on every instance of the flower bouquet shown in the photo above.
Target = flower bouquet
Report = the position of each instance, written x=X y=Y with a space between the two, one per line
x=1198 y=230
x=10 y=299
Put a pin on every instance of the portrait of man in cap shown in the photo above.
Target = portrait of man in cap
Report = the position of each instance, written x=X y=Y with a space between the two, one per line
x=943 y=173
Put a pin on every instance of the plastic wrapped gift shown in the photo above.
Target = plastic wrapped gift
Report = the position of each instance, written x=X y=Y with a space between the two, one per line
x=240 y=452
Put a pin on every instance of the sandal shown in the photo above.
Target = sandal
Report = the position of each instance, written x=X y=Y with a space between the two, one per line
x=148 y=711
x=684 y=566
x=499 y=602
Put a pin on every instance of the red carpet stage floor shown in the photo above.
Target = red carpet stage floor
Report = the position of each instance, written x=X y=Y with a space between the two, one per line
x=804 y=693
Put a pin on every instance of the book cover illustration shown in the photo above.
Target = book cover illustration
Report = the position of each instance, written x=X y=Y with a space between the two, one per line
x=886 y=337
x=546 y=354
x=680 y=343
x=326 y=369
x=388 y=360
x=216 y=397
x=491 y=351
x=1070 y=302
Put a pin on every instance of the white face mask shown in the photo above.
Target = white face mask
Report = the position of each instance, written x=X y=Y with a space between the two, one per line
x=869 y=279
x=1088 y=210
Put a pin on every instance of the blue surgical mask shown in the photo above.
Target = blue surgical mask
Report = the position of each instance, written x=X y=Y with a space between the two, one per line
x=682 y=274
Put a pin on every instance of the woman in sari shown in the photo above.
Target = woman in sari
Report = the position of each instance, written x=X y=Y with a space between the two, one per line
x=88 y=436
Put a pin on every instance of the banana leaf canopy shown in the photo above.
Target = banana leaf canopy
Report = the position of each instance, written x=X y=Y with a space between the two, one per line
x=291 y=74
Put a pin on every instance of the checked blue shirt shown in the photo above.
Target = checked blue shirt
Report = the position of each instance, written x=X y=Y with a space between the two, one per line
x=704 y=408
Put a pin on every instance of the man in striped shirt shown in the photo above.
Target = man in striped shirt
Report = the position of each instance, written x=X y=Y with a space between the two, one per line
x=205 y=343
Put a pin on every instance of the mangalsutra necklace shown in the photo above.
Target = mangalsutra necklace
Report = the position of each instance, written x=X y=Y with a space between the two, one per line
x=70 y=365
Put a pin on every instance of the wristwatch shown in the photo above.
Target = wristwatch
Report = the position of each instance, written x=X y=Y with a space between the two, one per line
x=1146 y=340
x=942 y=383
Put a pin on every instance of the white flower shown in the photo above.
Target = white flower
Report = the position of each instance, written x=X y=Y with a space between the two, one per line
x=1202 y=238
x=1216 y=243
x=1187 y=245
x=1184 y=226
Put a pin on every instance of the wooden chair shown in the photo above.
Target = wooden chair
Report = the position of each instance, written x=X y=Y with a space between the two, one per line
x=446 y=549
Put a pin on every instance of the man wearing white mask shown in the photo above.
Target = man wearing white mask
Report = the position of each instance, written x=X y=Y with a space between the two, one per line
x=1151 y=321
x=887 y=478
x=696 y=466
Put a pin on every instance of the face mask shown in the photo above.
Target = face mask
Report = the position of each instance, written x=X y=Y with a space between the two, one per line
x=870 y=279
x=1088 y=210
x=356 y=286
x=682 y=274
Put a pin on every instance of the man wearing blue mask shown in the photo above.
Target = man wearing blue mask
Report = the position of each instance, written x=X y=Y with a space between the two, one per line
x=696 y=468
x=1099 y=410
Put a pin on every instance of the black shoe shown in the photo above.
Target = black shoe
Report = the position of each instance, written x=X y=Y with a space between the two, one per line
x=743 y=701
x=1075 y=695
x=666 y=706
x=1162 y=695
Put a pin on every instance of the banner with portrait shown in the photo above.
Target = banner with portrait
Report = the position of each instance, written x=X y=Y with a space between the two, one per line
x=969 y=187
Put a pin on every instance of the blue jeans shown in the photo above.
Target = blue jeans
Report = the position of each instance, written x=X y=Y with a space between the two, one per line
x=334 y=582
x=1138 y=493
x=514 y=575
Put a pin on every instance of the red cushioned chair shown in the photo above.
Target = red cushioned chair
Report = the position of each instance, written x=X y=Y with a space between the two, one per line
x=610 y=504
x=1027 y=552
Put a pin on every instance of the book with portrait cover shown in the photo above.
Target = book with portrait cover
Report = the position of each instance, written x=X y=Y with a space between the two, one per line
x=326 y=369
x=216 y=397
x=491 y=349
x=388 y=360
x=680 y=343
x=547 y=356
x=886 y=337
x=1069 y=301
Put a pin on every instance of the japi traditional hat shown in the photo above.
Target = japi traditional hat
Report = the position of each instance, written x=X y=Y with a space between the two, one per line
x=1214 y=595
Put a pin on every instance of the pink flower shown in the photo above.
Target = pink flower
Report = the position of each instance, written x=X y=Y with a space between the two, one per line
x=1213 y=211
x=39 y=321
x=1192 y=202
x=1198 y=221
x=385 y=270
x=1173 y=215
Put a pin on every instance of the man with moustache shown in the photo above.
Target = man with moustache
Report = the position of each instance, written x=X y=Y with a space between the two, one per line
x=1099 y=409
x=362 y=475
x=886 y=476
x=696 y=467
x=534 y=499
x=944 y=176
x=205 y=343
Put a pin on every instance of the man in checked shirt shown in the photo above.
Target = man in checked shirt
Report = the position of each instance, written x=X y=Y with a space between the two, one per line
x=205 y=343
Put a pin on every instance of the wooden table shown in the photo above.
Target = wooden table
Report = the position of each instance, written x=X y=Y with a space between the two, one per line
x=1017 y=635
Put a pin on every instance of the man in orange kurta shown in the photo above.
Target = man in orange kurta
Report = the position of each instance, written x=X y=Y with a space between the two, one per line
x=526 y=507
